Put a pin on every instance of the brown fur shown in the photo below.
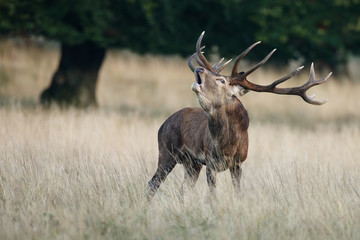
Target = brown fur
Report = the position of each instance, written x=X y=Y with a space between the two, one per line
x=215 y=136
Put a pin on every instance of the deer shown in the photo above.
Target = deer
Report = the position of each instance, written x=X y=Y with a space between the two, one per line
x=216 y=134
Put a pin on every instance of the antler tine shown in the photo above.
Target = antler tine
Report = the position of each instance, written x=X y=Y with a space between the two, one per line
x=218 y=68
x=310 y=83
x=312 y=77
x=197 y=60
x=259 y=64
x=190 y=60
x=218 y=63
x=241 y=56
x=201 y=60
x=223 y=66
x=283 y=79
x=200 y=55
x=241 y=80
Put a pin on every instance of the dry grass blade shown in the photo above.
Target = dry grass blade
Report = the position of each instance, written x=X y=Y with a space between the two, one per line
x=82 y=174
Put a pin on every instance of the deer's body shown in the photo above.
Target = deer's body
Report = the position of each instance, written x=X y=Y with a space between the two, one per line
x=216 y=134
x=194 y=138
x=191 y=135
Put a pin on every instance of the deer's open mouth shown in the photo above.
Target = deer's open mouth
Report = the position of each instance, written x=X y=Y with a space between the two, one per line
x=196 y=86
x=198 y=78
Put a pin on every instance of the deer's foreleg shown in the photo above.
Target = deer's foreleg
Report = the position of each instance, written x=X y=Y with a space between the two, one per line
x=165 y=166
x=191 y=176
x=235 y=172
x=211 y=180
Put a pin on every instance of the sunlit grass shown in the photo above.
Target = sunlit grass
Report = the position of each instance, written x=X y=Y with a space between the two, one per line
x=69 y=174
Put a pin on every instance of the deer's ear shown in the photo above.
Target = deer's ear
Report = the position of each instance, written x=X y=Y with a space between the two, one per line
x=236 y=91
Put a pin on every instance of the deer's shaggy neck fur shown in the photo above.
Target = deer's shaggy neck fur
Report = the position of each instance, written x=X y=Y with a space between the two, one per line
x=228 y=130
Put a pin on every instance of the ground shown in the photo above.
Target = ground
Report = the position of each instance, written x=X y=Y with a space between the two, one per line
x=69 y=174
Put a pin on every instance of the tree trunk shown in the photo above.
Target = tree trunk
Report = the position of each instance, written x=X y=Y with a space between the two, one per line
x=74 y=82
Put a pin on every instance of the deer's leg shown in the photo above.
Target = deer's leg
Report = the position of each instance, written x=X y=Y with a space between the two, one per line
x=211 y=180
x=235 y=172
x=191 y=176
x=165 y=166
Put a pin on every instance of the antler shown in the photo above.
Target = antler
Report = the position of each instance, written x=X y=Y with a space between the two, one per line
x=240 y=79
x=201 y=60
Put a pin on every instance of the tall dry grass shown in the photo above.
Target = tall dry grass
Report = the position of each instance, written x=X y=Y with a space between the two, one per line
x=69 y=174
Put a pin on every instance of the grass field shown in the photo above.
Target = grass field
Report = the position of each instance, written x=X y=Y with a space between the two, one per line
x=70 y=174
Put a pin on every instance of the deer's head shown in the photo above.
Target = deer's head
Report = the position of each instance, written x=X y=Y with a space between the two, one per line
x=215 y=90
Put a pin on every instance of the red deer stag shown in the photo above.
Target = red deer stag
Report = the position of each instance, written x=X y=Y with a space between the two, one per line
x=216 y=134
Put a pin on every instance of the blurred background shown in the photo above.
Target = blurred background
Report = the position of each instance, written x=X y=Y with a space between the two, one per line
x=119 y=69
x=131 y=54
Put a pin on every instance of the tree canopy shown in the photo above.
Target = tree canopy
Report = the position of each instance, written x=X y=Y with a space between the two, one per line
x=326 y=31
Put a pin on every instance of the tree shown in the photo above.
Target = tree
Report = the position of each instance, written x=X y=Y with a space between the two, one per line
x=85 y=28
x=325 y=31
x=321 y=31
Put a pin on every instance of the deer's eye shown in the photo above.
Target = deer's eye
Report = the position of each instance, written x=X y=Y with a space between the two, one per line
x=221 y=80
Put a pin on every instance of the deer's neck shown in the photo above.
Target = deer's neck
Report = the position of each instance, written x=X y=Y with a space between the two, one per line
x=227 y=126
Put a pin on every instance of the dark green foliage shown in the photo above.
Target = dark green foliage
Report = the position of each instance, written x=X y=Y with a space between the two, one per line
x=317 y=30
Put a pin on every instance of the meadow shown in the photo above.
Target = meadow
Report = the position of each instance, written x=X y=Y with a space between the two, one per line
x=82 y=174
